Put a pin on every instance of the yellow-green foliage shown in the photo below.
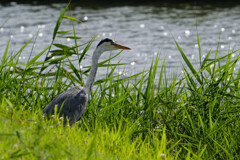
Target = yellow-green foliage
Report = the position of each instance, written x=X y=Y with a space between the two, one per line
x=26 y=135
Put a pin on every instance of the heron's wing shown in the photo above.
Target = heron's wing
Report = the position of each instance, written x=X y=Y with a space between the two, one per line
x=77 y=105
x=61 y=99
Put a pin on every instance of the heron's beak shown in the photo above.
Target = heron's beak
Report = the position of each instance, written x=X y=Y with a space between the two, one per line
x=120 y=46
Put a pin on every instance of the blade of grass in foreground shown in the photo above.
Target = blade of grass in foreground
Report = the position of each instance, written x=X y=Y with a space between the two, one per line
x=55 y=32
x=59 y=21
x=189 y=63
x=4 y=59
x=85 y=50
x=37 y=56
x=74 y=69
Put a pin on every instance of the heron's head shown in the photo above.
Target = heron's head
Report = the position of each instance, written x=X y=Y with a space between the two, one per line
x=108 y=45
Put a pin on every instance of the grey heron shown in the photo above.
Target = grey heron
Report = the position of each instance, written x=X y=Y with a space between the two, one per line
x=71 y=104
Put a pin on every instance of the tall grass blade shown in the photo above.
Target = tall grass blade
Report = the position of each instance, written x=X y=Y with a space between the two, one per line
x=189 y=64
x=71 y=18
x=59 y=21
x=36 y=57
x=85 y=50
x=4 y=58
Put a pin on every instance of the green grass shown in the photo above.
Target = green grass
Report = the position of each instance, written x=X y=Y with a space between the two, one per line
x=25 y=135
x=143 y=116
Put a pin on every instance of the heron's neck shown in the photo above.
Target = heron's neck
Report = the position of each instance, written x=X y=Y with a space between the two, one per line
x=88 y=86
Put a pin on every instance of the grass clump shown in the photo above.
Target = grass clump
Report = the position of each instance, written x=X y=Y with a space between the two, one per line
x=25 y=135
x=144 y=116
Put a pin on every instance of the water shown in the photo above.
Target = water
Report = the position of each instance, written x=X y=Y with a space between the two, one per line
x=147 y=30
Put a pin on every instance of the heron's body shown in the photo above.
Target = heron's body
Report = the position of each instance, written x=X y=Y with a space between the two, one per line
x=71 y=104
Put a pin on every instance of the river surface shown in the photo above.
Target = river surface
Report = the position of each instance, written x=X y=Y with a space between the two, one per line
x=147 y=30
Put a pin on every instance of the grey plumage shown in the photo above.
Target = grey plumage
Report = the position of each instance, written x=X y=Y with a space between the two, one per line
x=71 y=104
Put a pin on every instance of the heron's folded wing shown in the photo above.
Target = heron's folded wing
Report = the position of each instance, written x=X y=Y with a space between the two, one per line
x=60 y=100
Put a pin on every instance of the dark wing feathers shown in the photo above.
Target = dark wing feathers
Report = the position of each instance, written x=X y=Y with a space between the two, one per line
x=70 y=103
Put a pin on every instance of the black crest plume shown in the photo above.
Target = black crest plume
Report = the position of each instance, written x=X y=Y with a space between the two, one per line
x=104 y=40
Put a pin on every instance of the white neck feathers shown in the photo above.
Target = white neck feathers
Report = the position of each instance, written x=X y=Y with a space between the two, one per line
x=90 y=80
